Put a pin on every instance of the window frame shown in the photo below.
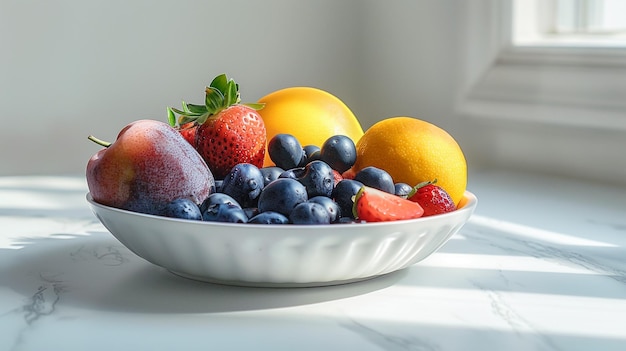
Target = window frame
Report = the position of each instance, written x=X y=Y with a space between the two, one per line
x=503 y=82
x=543 y=29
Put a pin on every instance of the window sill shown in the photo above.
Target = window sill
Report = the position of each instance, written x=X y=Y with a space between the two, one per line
x=556 y=110
x=562 y=86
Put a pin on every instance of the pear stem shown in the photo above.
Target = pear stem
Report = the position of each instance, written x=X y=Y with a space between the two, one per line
x=99 y=141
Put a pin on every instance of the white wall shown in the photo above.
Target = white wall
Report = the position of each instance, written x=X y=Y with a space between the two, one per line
x=421 y=58
x=71 y=68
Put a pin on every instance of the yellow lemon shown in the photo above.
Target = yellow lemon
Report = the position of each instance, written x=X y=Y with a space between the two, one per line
x=414 y=151
x=310 y=114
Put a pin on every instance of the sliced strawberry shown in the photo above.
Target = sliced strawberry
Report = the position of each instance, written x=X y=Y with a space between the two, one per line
x=433 y=198
x=373 y=205
x=228 y=132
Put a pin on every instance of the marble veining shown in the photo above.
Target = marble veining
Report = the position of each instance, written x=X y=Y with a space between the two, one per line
x=516 y=277
x=544 y=251
x=515 y=320
x=40 y=305
x=388 y=341
x=109 y=255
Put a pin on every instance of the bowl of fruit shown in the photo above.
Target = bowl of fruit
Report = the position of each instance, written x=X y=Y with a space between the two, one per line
x=222 y=193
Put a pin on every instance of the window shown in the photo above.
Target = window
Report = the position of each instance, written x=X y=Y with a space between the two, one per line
x=527 y=61
x=583 y=23
x=544 y=86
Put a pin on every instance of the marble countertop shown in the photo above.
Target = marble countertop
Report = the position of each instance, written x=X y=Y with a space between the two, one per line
x=541 y=265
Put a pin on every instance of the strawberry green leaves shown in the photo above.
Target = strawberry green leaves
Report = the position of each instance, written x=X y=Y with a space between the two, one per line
x=189 y=113
x=214 y=101
x=219 y=95
x=228 y=89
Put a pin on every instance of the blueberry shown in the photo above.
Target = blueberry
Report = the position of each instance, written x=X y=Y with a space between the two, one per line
x=348 y=220
x=282 y=195
x=402 y=189
x=331 y=206
x=183 y=208
x=225 y=213
x=311 y=153
x=244 y=183
x=285 y=151
x=251 y=211
x=344 y=193
x=218 y=185
x=270 y=173
x=309 y=213
x=293 y=173
x=218 y=198
x=318 y=178
x=339 y=152
x=376 y=178
x=269 y=217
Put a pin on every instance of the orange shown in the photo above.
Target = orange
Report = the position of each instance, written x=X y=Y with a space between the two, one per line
x=311 y=115
x=413 y=151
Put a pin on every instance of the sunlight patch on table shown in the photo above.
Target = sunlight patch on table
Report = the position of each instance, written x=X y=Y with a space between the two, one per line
x=534 y=233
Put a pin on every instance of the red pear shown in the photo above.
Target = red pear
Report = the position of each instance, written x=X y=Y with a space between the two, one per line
x=148 y=165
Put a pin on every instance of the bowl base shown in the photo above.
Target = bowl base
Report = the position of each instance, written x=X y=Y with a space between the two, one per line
x=270 y=284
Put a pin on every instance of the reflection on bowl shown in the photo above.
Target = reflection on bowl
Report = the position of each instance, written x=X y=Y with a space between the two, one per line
x=281 y=255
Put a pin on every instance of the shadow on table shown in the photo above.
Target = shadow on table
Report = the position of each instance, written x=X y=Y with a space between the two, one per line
x=97 y=272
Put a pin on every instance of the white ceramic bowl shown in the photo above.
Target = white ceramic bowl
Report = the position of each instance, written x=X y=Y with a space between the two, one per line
x=281 y=255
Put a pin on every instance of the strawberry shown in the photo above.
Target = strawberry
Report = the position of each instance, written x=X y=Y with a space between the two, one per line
x=349 y=174
x=433 y=198
x=338 y=177
x=188 y=131
x=228 y=132
x=373 y=205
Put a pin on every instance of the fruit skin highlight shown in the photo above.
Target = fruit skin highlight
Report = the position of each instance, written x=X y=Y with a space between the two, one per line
x=413 y=151
x=311 y=115
x=149 y=165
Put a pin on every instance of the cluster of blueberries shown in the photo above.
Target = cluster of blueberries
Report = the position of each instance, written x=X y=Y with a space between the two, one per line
x=300 y=189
